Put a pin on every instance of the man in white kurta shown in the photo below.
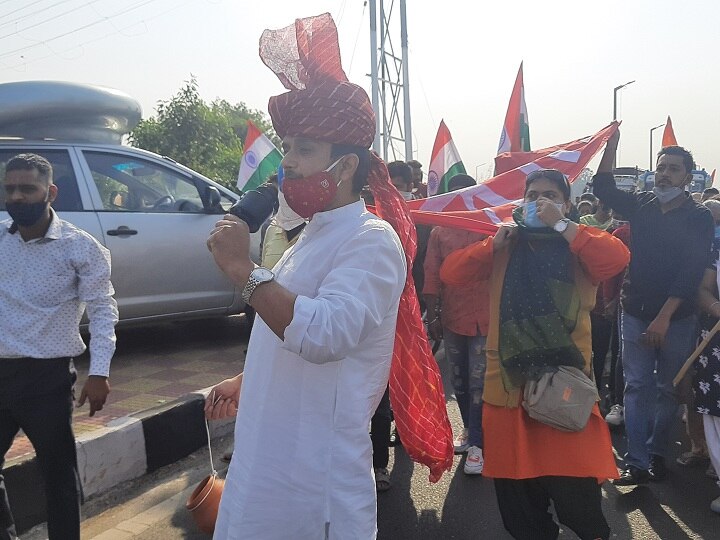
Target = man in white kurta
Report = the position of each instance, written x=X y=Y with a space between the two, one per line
x=320 y=351
x=303 y=459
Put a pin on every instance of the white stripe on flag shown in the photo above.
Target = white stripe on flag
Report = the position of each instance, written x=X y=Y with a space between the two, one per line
x=492 y=215
x=530 y=167
x=571 y=156
x=481 y=192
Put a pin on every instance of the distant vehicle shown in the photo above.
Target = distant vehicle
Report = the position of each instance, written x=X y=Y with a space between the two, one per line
x=700 y=182
x=626 y=178
x=153 y=214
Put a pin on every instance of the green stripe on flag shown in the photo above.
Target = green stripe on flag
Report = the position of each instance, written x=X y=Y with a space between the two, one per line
x=265 y=168
x=457 y=168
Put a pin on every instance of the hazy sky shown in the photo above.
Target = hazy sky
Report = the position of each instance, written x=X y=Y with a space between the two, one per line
x=463 y=60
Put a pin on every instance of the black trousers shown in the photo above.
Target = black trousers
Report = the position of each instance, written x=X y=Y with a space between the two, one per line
x=524 y=507
x=36 y=395
x=601 y=334
x=380 y=432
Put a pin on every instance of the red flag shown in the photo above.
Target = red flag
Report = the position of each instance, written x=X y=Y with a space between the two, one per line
x=489 y=203
x=511 y=160
x=669 y=135
x=515 y=136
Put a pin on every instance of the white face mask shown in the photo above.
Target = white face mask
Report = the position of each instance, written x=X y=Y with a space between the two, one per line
x=667 y=194
x=286 y=218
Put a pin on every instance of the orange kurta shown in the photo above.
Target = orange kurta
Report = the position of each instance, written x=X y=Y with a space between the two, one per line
x=515 y=446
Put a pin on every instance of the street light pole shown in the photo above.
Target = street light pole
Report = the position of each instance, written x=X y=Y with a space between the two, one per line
x=476 y=170
x=615 y=92
x=651 y=141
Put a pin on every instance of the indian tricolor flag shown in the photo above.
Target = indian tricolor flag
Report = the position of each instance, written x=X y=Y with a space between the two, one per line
x=259 y=160
x=444 y=163
x=515 y=136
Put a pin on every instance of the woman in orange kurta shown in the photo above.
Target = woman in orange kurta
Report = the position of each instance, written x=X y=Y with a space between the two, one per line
x=543 y=267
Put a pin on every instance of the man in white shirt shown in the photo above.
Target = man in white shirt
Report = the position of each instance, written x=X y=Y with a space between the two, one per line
x=321 y=347
x=50 y=272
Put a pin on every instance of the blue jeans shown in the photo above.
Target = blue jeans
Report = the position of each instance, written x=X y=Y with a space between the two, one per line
x=466 y=355
x=650 y=398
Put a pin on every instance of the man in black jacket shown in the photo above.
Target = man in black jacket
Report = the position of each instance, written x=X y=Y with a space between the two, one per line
x=671 y=239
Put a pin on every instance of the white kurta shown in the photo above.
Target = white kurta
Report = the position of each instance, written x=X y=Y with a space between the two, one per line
x=302 y=465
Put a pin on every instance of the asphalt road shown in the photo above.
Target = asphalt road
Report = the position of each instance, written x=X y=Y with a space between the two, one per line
x=457 y=507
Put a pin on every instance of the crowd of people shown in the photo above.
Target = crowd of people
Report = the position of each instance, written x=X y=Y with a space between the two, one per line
x=606 y=297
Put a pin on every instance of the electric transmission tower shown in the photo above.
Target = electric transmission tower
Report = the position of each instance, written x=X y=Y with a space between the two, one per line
x=390 y=84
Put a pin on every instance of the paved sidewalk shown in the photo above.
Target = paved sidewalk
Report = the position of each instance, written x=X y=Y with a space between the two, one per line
x=154 y=416
x=175 y=362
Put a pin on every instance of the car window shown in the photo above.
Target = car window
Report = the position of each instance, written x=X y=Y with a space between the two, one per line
x=131 y=184
x=68 y=197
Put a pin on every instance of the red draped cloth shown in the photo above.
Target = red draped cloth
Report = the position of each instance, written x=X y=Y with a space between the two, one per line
x=321 y=104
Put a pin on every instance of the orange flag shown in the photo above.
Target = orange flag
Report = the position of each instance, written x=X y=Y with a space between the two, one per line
x=669 y=135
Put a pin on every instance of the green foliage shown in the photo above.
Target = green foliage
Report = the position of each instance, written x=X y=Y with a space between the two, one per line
x=205 y=137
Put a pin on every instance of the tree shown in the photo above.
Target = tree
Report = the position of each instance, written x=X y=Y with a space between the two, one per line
x=205 y=137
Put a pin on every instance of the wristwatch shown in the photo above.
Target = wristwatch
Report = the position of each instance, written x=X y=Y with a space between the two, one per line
x=561 y=225
x=257 y=277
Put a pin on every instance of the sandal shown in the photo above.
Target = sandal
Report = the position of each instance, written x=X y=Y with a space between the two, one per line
x=691 y=459
x=382 y=480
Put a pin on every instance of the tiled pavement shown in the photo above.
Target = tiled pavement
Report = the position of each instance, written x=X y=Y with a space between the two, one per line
x=155 y=365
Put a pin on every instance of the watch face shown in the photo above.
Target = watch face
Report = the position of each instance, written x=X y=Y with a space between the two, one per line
x=262 y=274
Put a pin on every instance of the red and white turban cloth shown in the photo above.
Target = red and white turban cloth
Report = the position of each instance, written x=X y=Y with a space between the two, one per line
x=322 y=104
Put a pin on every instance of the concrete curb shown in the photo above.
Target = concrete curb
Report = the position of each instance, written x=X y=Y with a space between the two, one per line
x=126 y=448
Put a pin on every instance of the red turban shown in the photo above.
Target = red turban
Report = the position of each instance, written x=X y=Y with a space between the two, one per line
x=321 y=104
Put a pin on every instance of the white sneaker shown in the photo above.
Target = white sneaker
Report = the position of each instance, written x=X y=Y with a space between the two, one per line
x=616 y=416
x=461 y=442
x=715 y=505
x=474 y=461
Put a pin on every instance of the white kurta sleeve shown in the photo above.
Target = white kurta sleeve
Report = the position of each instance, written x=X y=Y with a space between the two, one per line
x=365 y=283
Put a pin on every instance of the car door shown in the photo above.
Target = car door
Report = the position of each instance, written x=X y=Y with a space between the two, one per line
x=156 y=226
x=73 y=202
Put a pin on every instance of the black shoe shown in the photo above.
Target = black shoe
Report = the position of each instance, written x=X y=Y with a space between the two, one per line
x=658 y=470
x=395 y=438
x=632 y=476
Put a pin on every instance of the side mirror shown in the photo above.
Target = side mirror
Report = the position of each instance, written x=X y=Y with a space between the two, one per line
x=212 y=200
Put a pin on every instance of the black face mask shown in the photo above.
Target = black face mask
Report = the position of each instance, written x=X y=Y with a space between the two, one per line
x=26 y=214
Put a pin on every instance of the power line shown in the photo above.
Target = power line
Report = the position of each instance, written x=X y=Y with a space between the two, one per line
x=20 y=8
x=100 y=38
x=84 y=27
x=46 y=20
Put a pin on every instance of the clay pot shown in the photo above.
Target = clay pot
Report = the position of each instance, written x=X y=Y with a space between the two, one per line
x=205 y=501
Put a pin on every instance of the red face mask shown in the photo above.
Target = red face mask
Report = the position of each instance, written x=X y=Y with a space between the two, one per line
x=310 y=194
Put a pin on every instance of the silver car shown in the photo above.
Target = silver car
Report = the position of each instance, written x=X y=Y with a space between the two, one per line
x=153 y=214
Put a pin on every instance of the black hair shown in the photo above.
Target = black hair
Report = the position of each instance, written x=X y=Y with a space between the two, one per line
x=711 y=191
x=30 y=162
x=460 y=181
x=360 y=179
x=400 y=169
x=415 y=164
x=554 y=176
x=687 y=157
x=589 y=197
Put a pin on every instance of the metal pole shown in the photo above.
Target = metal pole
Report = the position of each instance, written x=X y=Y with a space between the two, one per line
x=406 y=81
x=375 y=88
x=651 y=144
x=615 y=91
x=386 y=128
